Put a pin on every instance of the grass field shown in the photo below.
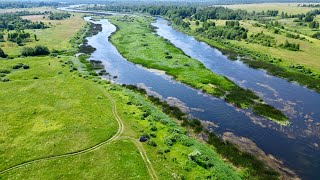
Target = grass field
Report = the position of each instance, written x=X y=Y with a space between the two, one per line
x=35 y=9
x=145 y=48
x=290 y=8
x=49 y=115
x=56 y=37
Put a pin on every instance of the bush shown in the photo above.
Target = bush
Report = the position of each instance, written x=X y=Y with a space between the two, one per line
x=153 y=128
x=152 y=134
x=152 y=143
x=2 y=54
x=27 y=51
x=168 y=141
x=4 y=71
x=26 y=66
x=36 y=51
x=41 y=50
x=17 y=66
x=5 y=80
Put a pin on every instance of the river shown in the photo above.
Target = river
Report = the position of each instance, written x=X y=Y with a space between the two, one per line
x=297 y=145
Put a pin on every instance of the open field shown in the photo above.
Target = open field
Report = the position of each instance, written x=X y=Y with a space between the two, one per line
x=49 y=115
x=35 y=9
x=290 y=8
x=56 y=37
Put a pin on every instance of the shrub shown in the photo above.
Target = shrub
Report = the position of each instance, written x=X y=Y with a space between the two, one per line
x=17 y=66
x=152 y=134
x=153 y=128
x=2 y=54
x=41 y=50
x=4 y=71
x=186 y=141
x=152 y=143
x=26 y=66
x=27 y=51
x=36 y=51
x=168 y=141
x=5 y=80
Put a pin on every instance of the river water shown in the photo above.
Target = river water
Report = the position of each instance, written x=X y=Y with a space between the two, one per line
x=296 y=145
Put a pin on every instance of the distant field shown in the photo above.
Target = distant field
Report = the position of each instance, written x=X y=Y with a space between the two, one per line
x=290 y=8
x=35 y=9
x=56 y=37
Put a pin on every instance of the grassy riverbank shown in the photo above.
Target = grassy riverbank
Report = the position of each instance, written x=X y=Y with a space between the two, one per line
x=137 y=43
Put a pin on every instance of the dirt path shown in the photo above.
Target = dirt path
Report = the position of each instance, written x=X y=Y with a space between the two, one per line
x=118 y=136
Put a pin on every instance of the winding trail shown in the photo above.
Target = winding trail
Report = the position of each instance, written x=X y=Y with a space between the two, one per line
x=117 y=136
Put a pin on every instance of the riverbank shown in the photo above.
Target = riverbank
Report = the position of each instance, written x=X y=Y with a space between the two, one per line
x=145 y=48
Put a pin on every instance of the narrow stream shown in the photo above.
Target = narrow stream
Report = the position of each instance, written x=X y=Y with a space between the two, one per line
x=296 y=145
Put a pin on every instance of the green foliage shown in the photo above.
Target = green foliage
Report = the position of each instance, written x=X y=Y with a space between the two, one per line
x=202 y=160
x=36 y=51
x=290 y=46
x=2 y=54
x=263 y=39
x=314 y=25
x=152 y=143
x=232 y=30
x=269 y=112
x=59 y=16
x=316 y=35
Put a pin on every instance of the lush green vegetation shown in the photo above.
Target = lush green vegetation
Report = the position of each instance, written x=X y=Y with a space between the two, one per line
x=59 y=16
x=141 y=46
x=36 y=51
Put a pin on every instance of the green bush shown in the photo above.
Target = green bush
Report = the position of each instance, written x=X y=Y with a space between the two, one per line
x=2 y=54
x=152 y=143
x=36 y=51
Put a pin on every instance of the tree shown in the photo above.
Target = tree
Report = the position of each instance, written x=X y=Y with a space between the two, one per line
x=2 y=54
x=314 y=25
x=1 y=37
x=308 y=18
x=27 y=51
x=41 y=50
